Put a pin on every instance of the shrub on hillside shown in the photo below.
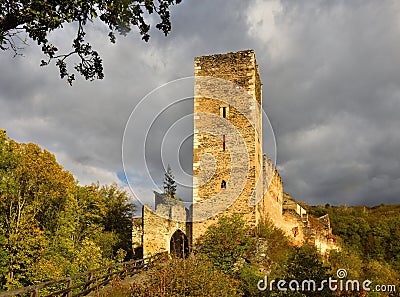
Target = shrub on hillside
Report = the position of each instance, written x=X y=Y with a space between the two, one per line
x=194 y=276
x=279 y=246
x=306 y=264
x=226 y=242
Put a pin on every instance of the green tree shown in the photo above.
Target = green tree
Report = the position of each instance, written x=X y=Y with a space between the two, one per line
x=226 y=241
x=118 y=217
x=94 y=229
x=279 y=245
x=306 y=264
x=37 y=19
x=169 y=184
x=103 y=214
x=346 y=259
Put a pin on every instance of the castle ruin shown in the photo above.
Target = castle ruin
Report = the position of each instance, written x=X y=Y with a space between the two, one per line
x=231 y=173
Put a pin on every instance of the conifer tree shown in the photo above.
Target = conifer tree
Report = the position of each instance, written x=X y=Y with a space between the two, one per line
x=169 y=184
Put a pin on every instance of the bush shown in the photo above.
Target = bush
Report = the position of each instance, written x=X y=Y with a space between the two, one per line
x=279 y=245
x=194 y=276
x=249 y=276
x=226 y=242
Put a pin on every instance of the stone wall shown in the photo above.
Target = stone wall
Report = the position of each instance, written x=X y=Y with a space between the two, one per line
x=319 y=233
x=169 y=216
x=294 y=206
x=294 y=227
x=270 y=206
x=325 y=245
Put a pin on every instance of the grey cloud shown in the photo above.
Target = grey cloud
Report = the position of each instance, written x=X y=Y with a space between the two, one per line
x=344 y=64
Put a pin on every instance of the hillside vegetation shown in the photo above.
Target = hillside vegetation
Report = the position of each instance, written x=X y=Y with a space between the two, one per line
x=231 y=259
x=50 y=227
x=372 y=233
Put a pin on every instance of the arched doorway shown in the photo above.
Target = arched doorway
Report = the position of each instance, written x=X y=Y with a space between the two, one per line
x=179 y=245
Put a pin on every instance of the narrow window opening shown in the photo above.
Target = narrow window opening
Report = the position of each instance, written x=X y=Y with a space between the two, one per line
x=223 y=184
x=223 y=142
x=223 y=111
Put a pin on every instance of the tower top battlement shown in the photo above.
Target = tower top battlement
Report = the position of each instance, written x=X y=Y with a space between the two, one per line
x=240 y=68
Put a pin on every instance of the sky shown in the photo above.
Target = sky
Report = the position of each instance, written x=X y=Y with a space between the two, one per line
x=331 y=92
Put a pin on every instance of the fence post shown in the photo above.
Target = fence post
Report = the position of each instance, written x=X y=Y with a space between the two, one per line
x=69 y=285
x=124 y=270
x=109 y=274
x=35 y=293
x=89 y=281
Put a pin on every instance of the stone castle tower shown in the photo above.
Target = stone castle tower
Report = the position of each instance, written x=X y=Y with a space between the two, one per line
x=231 y=174
x=227 y=148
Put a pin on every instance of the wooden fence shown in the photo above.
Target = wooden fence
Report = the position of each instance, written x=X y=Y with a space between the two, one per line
x=83 y=283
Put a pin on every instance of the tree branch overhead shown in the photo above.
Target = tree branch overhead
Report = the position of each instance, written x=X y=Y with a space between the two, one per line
x=37 y=19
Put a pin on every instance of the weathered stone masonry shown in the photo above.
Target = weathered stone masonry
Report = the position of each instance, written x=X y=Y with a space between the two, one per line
x=231 y=72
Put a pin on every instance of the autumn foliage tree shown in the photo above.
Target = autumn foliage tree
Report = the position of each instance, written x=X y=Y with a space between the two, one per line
x=50 y=227
x=34 y=189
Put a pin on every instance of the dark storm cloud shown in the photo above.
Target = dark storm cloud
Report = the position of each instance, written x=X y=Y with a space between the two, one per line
x=334 y=101
x=331 y=90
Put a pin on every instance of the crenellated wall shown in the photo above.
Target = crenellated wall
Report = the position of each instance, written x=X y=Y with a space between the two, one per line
x=169 y=216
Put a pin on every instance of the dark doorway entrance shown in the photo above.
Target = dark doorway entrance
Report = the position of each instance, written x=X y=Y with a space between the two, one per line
x=179 y=245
